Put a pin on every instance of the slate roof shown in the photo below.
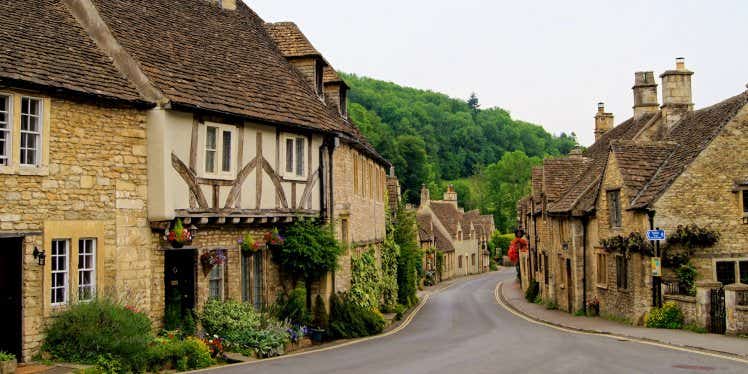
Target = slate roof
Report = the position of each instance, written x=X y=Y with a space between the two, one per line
x=449 y=215
x=425 y=228
x=693 y=133
x=442 y=242
x=291 y=41
x=329 y=75
x=43 y=44
x=582 y=194
x=560 y=173
x=203 y=57
x=638 y=162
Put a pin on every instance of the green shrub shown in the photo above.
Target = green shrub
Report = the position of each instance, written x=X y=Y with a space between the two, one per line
x=694 y=328
x=292 y=308
x=189 y=327
x=173 y=311
x=245 y=330
x=87 y=331
x=349 y=320
x=5 y=356
x=226 y=318
x=191 y=353
x=668 y=317
x=551 y=305
x=532 y=291
x=687 y=278
x=106 y=364
x=321 y=319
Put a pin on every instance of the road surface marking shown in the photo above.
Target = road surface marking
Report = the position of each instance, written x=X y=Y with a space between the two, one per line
x=497 y=291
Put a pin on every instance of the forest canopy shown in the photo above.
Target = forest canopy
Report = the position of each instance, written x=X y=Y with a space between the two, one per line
x=435 y=140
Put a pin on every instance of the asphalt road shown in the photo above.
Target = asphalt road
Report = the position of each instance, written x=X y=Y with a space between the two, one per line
x=463 y=330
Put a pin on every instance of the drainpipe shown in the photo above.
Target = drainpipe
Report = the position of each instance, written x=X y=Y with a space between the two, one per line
x=585 y=221
x=322 y=184
x=656 y=281
x=335 y=144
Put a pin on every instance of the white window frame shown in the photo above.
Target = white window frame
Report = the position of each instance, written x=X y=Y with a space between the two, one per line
x=216 y=274
x=56 y=260
x=39 y=133
x=294 y=174
x=7 y=128
x=92 y=269
x=218 y=172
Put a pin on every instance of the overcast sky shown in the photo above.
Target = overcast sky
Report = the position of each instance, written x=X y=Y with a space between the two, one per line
x=546 y=62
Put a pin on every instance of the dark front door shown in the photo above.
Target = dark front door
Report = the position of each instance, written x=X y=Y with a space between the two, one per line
x=717 y=312
x=569 y=288
x=10 y=295
x=179 y=278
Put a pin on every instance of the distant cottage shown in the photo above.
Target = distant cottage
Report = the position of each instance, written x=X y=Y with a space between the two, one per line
x=119 y=119
x=667 y=166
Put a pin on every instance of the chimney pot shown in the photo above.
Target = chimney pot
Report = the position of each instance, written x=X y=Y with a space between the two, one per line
x=601 y=107
x=603 y=121
x=645 y=93
x=680 y=63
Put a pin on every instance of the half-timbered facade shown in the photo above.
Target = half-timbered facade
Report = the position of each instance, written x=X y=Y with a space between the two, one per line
x=119 y=119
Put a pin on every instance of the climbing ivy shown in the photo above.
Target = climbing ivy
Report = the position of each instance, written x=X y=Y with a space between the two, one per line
x=388 y=284
x=365 y=283
x=633 y=243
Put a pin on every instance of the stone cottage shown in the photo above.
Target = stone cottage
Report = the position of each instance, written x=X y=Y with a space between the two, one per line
x=119 y=119
x=461 y=236
x=666 y=166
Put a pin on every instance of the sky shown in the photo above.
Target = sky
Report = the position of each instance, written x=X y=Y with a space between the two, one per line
x=546 y=62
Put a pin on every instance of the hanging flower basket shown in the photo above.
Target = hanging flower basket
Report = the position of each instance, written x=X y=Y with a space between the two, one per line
x=179 y=236
x=212 y=258
x=249 y=245
x=273 y=239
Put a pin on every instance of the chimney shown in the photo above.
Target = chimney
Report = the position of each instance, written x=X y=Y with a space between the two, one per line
x=603 y=121
x=575 y=153
x=645 y=93
x=425 y=198
x=227 y=4
x=676 y=93
x=451 y=195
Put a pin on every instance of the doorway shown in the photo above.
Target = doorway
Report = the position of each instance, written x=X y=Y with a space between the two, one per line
x=569 y=288
x=252 y=278
x=10 y=294
x=179 y=279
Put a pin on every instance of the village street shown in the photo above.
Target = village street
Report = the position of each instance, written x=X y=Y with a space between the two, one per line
x=462 y=329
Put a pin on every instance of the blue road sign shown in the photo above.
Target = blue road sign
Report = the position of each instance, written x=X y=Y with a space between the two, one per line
x=655 y=234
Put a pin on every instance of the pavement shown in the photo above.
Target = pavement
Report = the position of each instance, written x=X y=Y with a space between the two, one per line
x=464 y=328
x=512 y=295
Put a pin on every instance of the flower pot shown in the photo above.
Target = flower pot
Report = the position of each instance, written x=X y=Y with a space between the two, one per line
x=317 y=335
x=176 y=244
x=8 y=367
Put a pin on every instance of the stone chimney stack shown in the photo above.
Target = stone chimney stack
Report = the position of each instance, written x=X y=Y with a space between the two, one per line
x=227 y=4
x=645 y=93
x=576 y=153
x=451 y=195
x=425 y=198
x=603 y=121
x=676 y=93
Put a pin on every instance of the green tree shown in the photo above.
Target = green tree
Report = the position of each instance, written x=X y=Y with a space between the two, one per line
x=309 y=252
x=473 y=102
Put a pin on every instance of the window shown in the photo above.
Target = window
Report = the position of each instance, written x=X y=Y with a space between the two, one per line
x=5 y=130
x=219 y=149
x=215 y=283
x=31 y=131
x=459 y=261
x=745 y=201
x=622 y=271
x=561 y=270
x=545 y=268
x=472 y=259
x=344 y=102
x=344 y=230
x=601 y=276
x=295 y=157
x=614 y=208
x=86 y=269
x=59 y=266
x=318 y=77
x=355 y=175
x=730 y=271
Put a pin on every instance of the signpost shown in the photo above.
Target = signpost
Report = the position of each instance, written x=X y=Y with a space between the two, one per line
x=656 y=235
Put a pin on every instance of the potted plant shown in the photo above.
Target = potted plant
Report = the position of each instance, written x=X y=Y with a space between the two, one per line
x=593 y=307
x=178 y=237
x=212 y=258
x=320 y=320
x=249 y=245
x=8 y=363
x=273 y=238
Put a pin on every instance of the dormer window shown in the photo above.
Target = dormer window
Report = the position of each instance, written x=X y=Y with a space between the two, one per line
x=318 y=78
x=344 y=102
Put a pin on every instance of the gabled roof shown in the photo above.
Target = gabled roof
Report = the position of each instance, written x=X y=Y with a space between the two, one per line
x=329 y=75
x=638 y=162
x=560 y=173
x=442 y=241
x=693 y=133
x=449 y=215
x=583 y=194
x=425 y=226
x=43 y=44
x=291 y=41
x=202 y=57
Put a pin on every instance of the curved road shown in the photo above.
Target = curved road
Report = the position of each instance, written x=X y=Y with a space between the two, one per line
x=463 y=330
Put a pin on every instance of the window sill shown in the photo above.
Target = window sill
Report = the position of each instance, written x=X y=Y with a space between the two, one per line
x=25 y=170
x=294 y=178
x=217 y=177
x=601 y=286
